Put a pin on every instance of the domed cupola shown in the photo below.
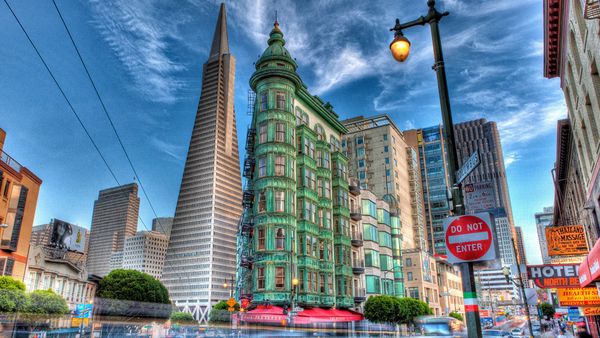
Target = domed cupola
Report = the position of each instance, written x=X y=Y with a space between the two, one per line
x=276 y=52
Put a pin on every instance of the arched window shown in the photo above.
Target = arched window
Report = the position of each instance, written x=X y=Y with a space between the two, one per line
x=280 y=239
x=320 y=132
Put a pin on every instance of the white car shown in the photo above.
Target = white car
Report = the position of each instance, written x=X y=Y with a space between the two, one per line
x=517 y=332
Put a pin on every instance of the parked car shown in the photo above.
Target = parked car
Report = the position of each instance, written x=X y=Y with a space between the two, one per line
x=517 y=332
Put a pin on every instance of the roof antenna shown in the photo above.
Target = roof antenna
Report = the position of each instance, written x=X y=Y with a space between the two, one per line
x=276 y=22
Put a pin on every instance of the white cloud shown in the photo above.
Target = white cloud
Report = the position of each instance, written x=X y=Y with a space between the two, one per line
x=139 y=35
x=174 y=151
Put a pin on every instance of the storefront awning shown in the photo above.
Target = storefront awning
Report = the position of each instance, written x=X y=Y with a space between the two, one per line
x=274 y=314
x=589 y=269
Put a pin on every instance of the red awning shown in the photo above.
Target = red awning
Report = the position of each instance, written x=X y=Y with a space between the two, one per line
x=274 y=314
x=318 y=315
x=585 y=277
x=593 y=265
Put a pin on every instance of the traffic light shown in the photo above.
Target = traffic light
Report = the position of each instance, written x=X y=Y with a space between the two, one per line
x=285 y=309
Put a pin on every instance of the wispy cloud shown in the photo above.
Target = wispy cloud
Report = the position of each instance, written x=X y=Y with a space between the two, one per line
x=140 y=34
x=174 y=151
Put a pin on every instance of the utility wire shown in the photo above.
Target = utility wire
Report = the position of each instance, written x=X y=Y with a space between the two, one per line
x=112 y=173
x=112 y=125
x=62 y=93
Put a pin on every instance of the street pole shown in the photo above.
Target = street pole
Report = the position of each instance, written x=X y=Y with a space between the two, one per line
x=400 y=52
x=522 y=285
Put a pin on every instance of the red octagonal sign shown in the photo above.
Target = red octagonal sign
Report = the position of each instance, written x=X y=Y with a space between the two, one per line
x=470 y=238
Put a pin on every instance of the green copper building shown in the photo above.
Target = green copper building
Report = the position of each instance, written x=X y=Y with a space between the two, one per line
x=296 y=221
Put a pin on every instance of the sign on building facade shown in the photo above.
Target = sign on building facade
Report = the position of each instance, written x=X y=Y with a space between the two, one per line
x=566 y=240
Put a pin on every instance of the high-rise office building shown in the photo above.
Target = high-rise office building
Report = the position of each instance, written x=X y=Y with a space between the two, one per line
x=163 y=225
x=483 y=136
x=145 y=252
x=115 y=217
x=520 y=244
x=19 y=188
x=542 y=220
x=202 y=245
x=431 y=150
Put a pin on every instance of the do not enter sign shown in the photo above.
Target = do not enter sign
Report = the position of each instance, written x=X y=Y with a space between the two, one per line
x=470 y=238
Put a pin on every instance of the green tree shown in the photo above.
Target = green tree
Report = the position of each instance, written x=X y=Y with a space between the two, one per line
x=133 y=285
x=409 y=309
x=381 y=309
x=220 y=312
x=182 y=317
x=547 y=310
x=7 y=282
x=47 y=302
x=13 y=300
x=456 y=315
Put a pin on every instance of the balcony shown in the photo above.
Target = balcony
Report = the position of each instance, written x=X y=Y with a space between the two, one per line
x=249 y=167
x=355 y=214
x=248 y=200
x=354 y=188
x=358 y=267
x=359 y=295
x=11 y=162
x=247 y=226
x=250 y=138
x=357 y=239
x=246 y=261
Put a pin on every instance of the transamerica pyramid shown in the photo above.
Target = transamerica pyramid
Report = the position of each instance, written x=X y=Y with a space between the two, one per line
x=202 y=247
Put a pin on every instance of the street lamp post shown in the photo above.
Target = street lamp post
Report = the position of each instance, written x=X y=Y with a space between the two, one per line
x=400 y=48
x=230 y=286
x=521 y=286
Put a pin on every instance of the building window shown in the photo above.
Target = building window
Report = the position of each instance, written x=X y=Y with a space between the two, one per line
x=413 y=293
x=280 y=132
x=322 y=283
x=263 y=101
x=327 y=189
x=320 y=133
x=298 y=116
x=362 y=175
x=305 y=119
x=387 y=160
x=360 y=152
x=387 y=172
x=261 y=239
x=280 y=239
x=321 y=250
x=408 y=262
x=280 y=103
x=409 y=276
x=385 y=137
x=359 y=140
x=262 y=133
x=325 y=163
x=308 y=246
x=280 y=165
x=280 y=201
x=6 y=189
x=386 y=149
x=361 y=163
x=262 y=201
x=262 y=167
x=260 y=278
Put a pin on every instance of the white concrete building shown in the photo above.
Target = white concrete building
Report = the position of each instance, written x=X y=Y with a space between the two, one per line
x=144 y=252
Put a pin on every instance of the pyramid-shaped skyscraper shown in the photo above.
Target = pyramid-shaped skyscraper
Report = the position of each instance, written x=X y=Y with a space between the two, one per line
x=202 y=247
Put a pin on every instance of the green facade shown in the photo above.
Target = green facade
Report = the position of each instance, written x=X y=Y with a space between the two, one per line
x=299 y=213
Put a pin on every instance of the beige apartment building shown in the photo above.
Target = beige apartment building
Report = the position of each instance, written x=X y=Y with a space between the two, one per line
x=381 y=161
x=572 y=52
x=421 y=276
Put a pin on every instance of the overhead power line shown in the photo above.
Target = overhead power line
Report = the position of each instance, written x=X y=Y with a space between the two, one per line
x=112 y=125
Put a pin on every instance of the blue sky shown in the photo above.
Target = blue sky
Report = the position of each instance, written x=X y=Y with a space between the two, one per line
x=146 y=57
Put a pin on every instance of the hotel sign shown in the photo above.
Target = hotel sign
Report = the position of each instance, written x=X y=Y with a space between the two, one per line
x=578 y=297
x=566 y=240
x=554 y=275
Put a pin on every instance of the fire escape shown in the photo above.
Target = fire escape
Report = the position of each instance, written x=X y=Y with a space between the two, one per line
x=246 y=225
x=592 y=9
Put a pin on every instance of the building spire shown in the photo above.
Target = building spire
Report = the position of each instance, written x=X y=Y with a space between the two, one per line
x=220 y=43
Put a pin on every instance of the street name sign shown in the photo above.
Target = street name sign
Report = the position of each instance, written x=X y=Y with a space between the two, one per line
x=470 y=164
x=470 y=238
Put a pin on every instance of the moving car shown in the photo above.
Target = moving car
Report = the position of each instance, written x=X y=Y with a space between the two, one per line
x=496 y=333
x=430 y=326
